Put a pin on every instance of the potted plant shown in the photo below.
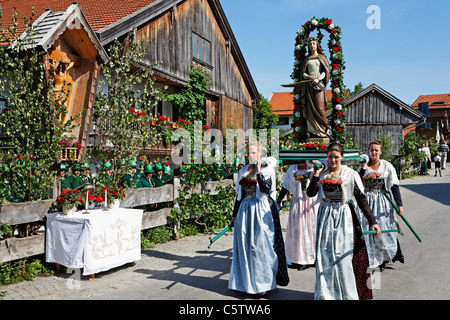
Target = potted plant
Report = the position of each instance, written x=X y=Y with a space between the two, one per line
x=70 y=199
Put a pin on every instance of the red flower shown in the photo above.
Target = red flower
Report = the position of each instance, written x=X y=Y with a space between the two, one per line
x=306 y=23
x=91 y=198
x=339 y=113
x=123 y=195
x=328 y=22
x=333 y=31
x=206 y=127
x=322 y=146
x=335 y=66
x=336 y=49
x=296 y=107
x=338 y=99
x=339 y=129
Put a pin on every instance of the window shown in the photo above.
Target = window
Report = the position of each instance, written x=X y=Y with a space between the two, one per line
x=201 y=48
x=283 y=120
x=438 y=102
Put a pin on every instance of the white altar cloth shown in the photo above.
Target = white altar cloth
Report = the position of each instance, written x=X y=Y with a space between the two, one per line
x=97 y=241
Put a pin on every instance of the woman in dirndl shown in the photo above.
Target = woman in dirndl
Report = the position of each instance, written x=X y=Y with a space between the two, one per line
x=380 y=180
x=341 y=255
x=300 y=240
x=259 y=261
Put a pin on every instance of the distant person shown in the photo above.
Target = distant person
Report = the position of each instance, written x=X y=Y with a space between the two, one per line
x=428 y=153
x=443 y=149
x=424 y=163
x=437 y=164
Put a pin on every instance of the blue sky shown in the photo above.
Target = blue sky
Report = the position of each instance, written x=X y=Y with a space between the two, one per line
x=408 y=56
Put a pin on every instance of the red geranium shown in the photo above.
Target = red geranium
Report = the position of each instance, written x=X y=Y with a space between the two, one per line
x=328 y=22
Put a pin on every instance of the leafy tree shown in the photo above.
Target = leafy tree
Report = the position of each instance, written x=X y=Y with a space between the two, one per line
x=124 y=107
x=263 y=115
x=191 y=99
x=359 y=87
x=410 y=152
x=34 y=119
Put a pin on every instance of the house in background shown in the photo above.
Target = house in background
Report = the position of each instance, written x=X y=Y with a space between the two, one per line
x=283 y=105
x=436 y=107
x=373 y=112
x=177 y=34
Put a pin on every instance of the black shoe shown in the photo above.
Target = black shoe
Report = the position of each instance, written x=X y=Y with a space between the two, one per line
x=382 y=266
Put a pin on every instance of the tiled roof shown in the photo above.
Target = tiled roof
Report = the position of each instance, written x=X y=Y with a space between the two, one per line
x=283 y=102
x=99 y=13
x=434 y=100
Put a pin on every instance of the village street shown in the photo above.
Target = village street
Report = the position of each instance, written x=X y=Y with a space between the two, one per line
x=187 y=270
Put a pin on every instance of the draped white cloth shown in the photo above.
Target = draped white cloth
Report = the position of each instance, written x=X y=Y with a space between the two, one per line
x=384 y=247
x=97 y=241
x=335 y=279
x=301 y=226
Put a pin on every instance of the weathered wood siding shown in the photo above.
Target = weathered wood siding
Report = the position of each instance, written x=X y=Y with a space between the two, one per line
x=373 y=115
x=168 y=39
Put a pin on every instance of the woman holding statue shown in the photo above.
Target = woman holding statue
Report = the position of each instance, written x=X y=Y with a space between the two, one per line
x=379 y=177
x=342 y=261
x=259 y=261
x=301 y=226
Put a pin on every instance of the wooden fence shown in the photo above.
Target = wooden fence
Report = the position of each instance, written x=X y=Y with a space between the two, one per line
x=19 y=248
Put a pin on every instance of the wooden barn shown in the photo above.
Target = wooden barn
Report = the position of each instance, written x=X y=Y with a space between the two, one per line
x=177 y=34
x=182 y=33
x=373 y=112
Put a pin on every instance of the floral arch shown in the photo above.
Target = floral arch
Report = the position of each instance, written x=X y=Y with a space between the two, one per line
x=337 y=119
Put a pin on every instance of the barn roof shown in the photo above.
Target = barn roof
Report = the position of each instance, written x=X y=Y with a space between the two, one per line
x=375 y=88
x=113 y=19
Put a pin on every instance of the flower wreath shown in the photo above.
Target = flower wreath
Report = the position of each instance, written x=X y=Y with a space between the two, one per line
x=337 y=120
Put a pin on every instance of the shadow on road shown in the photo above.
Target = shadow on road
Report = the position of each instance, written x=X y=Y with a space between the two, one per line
x=439 y=192
x=209 y=271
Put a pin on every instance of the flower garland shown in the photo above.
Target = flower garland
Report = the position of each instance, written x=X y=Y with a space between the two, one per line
x=337 y=120
x=293 y=145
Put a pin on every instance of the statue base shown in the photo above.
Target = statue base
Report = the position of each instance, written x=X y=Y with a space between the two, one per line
x=295 y=156
x=324 y=141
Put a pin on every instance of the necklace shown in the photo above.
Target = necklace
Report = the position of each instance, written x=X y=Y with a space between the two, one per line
x=335 y=172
